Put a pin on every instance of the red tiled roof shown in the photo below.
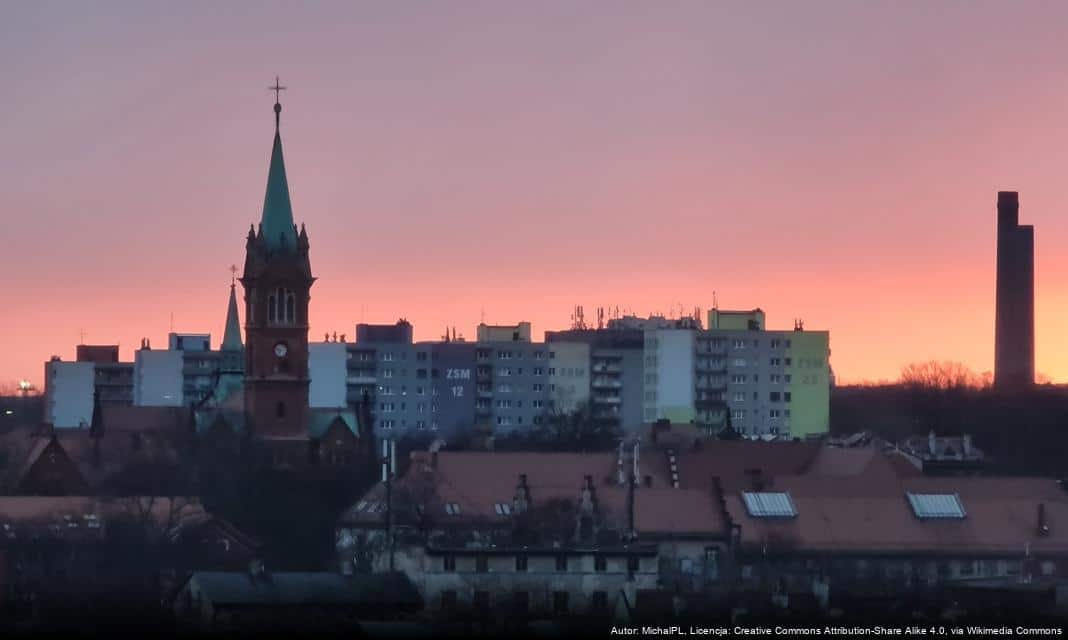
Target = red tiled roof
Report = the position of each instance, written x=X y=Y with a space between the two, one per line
x=729 y=459
x=677 y=511
x=478 y=481
x=1001 y=516
x=21 y=513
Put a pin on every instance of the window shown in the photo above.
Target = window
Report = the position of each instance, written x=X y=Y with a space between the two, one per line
x=520 y=563
x=739 y=396
x=503 y=509
x=281 y=307
x=538 y=371
x=935 y=505
x=773 y=414
x=561 y=563
x=448 y=563
x=786 y=395
x=600 y=563
x=482 y=564
x=738 y=344
x=560 y=599
x=769 y=504
x=774 y=396
x=786 y=378
x=711 y=563
x=738 y=379
x=739 y=362
x=787 y=361
x=537 y=388
x=776 y=378
x=452 y=508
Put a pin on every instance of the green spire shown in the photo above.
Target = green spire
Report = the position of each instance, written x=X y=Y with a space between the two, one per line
x=277 y=221
x=232 y=334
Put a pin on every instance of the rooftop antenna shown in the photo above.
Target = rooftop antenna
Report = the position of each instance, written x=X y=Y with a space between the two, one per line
x=81 y=336
x=715 y=302
x=483 y=315
x=172 y=322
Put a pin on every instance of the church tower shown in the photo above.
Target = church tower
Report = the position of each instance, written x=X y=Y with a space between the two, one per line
x=277 y=280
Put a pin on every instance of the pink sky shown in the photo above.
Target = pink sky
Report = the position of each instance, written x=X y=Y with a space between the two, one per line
x=835 y=161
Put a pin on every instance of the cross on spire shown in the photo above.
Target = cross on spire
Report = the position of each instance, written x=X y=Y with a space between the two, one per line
x=277 y=88
x=233 y=274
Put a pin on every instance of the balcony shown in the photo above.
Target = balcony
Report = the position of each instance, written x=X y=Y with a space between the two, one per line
x=360 y=378
x=607 y=400
x=606 y=368
x=711 y=366
x=606 y=383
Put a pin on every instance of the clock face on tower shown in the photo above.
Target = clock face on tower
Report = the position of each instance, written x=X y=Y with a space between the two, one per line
x=280 y=350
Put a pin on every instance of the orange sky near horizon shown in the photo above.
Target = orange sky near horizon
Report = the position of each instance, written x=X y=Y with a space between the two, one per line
x=517 y=161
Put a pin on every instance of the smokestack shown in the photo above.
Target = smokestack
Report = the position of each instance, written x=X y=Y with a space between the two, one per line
x=1008 y=209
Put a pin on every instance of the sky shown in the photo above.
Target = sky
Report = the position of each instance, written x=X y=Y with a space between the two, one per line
x=457 y=161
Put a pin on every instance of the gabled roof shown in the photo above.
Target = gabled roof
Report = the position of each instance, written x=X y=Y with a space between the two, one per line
x=320 y=421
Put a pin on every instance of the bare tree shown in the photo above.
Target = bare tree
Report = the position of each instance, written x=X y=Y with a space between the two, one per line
x=944 y=375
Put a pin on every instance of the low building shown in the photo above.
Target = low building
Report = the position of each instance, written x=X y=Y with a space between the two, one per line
x=244 y=600
x=534 y=535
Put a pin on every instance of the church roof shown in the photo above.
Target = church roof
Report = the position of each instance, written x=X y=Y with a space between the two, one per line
x=232 y=334
x=320 y=421
x=277 y=221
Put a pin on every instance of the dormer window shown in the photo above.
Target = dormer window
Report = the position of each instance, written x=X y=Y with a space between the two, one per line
x=281 y=307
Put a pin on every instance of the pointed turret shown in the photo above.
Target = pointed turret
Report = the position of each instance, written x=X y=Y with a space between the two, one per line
x=278 y=230
x=232 y=334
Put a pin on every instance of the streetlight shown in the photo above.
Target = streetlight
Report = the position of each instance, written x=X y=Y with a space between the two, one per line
x=25 y=387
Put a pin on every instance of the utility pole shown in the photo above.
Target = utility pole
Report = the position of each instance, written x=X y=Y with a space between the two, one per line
x=389 y=459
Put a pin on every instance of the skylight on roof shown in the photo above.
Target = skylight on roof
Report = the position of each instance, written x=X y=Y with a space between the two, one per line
x=503 y=508
x=936 y=505
x=452 y=508
x=763 y=504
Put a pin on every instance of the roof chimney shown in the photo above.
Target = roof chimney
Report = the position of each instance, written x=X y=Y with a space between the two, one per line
x=932 y=446
x=966 y=441
x=756 y=479
x=1043 y=526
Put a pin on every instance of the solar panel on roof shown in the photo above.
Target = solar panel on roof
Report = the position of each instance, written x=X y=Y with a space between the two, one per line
x=764 y=504
x=936 y=505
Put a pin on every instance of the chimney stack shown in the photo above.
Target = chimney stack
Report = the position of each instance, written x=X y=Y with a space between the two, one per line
x=1043 y=526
